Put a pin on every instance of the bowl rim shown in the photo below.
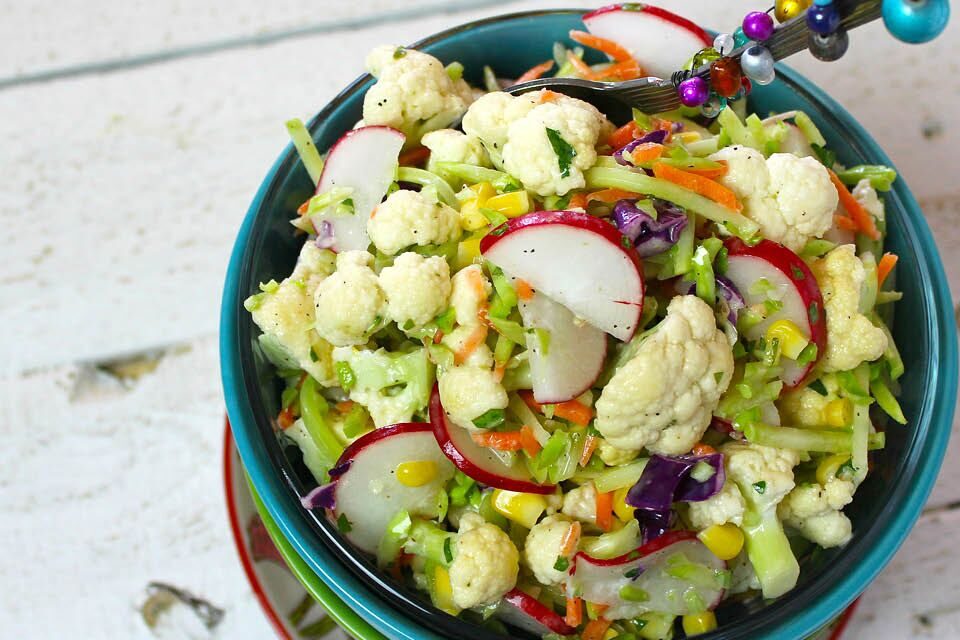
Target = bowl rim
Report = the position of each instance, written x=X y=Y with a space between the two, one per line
x=933 y=424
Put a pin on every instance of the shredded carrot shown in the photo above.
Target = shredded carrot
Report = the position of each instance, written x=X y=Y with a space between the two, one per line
x=595 y=629
x=589 y=446
x=623 y=135
x=611 y=195
x=302 y=209
x=858 y=214
x=574 y=612
x=572 y=410
x=605 y=510
x=570 y=540
x=527 y=396
x=609 y=47
x=286 y=418
x=704 y=186
x=413 y=157
x=528 y=441
x=626 y=70
x=701 y=449
x=499 y=370
x=499 y=440
x=345 y=406
x=712 y=173
x=845 y=222
x=478 y=284
x=885 y=266
x=535 y=72
x=646 y=152
x=470 y=344
x=579 y=65
x=549 y=96
x=524 y=290
x=578 y=201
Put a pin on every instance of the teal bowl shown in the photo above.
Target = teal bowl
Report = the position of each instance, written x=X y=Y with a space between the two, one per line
x=886 y=507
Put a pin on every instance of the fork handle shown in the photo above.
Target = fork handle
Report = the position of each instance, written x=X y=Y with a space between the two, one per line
x=793 y=36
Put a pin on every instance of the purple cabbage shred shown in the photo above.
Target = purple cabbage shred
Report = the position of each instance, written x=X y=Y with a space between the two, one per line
x=649 y=235
x=323 y=497
x=325 y=236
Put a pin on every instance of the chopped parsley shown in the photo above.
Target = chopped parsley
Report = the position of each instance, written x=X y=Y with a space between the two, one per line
x=343 y=524
x=448 y=550
x=797 y=272
x=562 y=564
x=565 y=152
x=814 y=312
x=399 y=52
x=718 y=376
x=490 y=419
x=826 y=156
x=346 y=376
x=760 y=487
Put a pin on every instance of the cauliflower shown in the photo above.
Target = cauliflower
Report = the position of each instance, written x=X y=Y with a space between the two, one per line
x=456 y=341
x=791 y=198
x=413 y=92
x=450 y=145
x=867 y=196
x=663 y=397
x=467 y=392
x=725 y=506
x=350 y=304
x=485 y=565
x=516 y=132
x=285 y=314
x=851 y=337
x=392 y=386
x=764 y=476
x=407 y=218
x=743 y=577
x=614 y=457
x=417 y=288
x=469 y=295
x=815 y=511
x=803 y=407
x=543 y=547
x=581 y=503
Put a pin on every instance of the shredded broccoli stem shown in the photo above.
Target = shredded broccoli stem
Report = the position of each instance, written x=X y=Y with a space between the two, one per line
x=860 y=441
x=703 y=275
x=739 y=225
x=471 y=173
x=823 y=440
x=809 y=129
x=613 y=544
x=429 y=541
x=881 y=177
x=886 y=400
x=427 y=179
x=395 y=536
x=313 y=410
x=303 y=142
x=768 y=549
x=613 y=478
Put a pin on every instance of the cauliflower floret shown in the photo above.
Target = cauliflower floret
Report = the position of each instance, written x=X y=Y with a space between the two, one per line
x=543 y=547
x=815 y=511
x=743 y=577
x=614 y=457
x=492 y=114
x=791 y=198
x=803 y=407
x=407 y=218
x=725 y=506
x=470 y=292
x=867 y=196
x=467 y=392
x=481 y=356
x=581 y=503
x=286 y=317
x=417 y=288
x=450 y=145
x=391 y=385
x=766 y=471
x=486 y=563
x=851 y=337
x=413 y=92
x=349 y=305
x=663 y=398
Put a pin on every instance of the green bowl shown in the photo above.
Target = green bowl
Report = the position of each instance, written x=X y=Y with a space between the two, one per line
x=887 y=505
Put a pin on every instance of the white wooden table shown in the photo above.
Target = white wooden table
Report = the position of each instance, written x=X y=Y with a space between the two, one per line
x=132 y=137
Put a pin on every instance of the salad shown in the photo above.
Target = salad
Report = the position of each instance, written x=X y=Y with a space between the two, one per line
x=581 y=377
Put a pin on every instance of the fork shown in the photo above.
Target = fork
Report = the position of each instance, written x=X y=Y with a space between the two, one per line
x=656 y=95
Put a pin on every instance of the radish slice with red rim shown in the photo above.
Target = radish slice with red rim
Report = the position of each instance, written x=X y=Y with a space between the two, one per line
x=525 y=612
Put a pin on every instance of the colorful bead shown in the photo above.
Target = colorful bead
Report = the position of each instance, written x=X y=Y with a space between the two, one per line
x=704 y=56
x=789 y=9
x=823 y=19
x=713 y=106
x=757 y=64
x=724 y=44
x=693 y=91
x=828 y=48
x=915 y=21
x=822 y=2
x=725 y=77
x=745 y=87
x=758 y=26
x=739 y=37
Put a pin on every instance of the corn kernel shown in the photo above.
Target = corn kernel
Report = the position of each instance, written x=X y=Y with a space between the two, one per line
x=838 y=413
x=620 y=507
x=829 y=466
x=687 y=136
x=484 y=191
x=696 y=623
x=724 y=540
x=513 y=204
x=470 y=217
x=610 y=634
x=416 y=473
x=443 y=591
x=522 y=508
x=792 y=340
x=468 y=252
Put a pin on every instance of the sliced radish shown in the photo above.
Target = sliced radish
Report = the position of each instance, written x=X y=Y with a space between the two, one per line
x=649 y=569
x=574 y=354
x=793 y=285
x=364 y=160
x=367 y=492
x=480 y=463
x=661 y=41
x=580 y=261
x=525 y=612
